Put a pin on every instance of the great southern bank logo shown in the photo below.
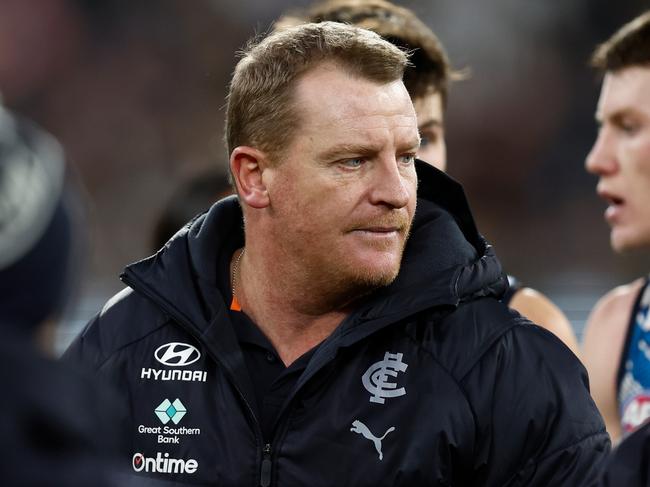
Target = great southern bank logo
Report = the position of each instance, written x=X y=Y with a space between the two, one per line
x=173 y=411
x=177 y=354
x=169 y=412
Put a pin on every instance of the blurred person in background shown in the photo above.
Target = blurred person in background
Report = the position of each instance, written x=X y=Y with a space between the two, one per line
x=129 y=90
x=193 y=197
x=57 y=427
x=36 y=231
x=427 y=80
x=617 y=337
x=291 y=336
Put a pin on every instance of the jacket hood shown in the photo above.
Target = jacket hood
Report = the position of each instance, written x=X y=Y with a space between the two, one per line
x=445 y=261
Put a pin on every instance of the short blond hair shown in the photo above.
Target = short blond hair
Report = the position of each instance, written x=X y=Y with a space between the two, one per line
x=260 y=111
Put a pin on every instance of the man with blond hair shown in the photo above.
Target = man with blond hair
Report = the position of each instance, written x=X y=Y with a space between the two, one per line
x=317 y=329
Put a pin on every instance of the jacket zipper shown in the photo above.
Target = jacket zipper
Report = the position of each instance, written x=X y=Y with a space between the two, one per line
x=265 y=469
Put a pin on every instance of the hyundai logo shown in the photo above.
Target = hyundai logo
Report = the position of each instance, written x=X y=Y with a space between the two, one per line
x=177 y=354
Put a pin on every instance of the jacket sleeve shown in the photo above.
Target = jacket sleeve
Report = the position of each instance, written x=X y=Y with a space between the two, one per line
x=536 y=422
x=85 y=358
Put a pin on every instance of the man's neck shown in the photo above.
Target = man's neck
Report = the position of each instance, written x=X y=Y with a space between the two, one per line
x=279 y=306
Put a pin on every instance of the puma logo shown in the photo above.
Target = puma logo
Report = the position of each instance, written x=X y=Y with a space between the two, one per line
x=362 y=429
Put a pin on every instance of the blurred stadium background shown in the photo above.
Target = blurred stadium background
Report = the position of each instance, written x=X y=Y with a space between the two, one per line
x=135 y=92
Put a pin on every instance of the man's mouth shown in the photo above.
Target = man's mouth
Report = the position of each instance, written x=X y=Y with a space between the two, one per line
x=385 y=227
x=615 y=205
x=380 y=230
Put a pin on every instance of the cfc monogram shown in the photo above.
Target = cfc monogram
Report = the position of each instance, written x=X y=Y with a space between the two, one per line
x=376 y=379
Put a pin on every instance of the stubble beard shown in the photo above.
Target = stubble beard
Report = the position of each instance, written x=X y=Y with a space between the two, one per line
x=347 y=283
x=333 y=280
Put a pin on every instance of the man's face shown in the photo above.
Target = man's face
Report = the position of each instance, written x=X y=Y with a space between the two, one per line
x=621 y=156
x=432 y=130
x=344 y=195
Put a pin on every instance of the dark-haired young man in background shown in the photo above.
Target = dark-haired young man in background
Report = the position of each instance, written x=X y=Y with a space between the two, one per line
x=617 y=337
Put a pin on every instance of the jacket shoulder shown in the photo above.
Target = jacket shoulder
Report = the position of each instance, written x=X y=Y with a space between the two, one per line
x=464 y=336
x=530 y=396
x=125 y=319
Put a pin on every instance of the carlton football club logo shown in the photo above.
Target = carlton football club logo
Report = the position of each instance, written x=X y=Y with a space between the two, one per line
x=377 y=379
x=177 y=354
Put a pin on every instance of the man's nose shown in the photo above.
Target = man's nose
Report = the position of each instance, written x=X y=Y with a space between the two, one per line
x=601 y=160
x=393 y=185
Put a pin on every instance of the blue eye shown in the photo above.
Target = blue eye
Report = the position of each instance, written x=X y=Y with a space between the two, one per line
x=354 y=163
x=407 y=159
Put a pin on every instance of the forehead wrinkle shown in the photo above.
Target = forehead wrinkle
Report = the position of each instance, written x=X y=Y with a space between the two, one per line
x=310 y=99
x=370 y=137
x=368 y=127
x=369 y=147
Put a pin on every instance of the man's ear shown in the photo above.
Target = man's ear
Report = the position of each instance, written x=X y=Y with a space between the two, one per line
x=247 y=165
